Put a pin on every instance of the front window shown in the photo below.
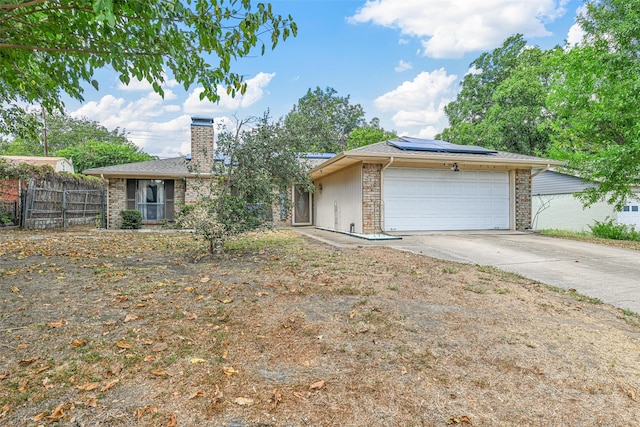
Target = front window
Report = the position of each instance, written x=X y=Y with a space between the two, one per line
x=150 y=199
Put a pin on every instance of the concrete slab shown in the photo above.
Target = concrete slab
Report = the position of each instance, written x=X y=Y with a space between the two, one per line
x=608 y=273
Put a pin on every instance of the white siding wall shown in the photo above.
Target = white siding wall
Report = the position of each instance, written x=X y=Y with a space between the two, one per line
x=339 y=203
x=565 y=212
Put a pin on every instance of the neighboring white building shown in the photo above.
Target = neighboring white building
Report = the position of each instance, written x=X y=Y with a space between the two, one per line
x=554 y=205
x=59 y=164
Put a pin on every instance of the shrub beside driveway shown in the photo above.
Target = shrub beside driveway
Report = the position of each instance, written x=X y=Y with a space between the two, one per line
x=127 y=328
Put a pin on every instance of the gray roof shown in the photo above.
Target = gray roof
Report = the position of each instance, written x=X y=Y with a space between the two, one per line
x=173 y=167
x=385 y=148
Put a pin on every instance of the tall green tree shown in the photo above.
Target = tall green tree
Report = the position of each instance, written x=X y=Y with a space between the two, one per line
x=501 y=104
x=62 y=131
x=97 y=154
x=595 y=96
x=260 y=166
x=53 y=47
x=86 y=142
x=369 y=133
x=321 y=121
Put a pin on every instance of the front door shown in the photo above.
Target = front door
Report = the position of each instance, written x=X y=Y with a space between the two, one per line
x=301 y=211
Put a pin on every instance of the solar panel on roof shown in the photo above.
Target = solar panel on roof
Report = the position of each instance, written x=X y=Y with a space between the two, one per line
x=434 y=145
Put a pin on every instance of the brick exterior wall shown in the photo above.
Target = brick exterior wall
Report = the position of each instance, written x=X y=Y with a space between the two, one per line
x=202 y=150
x=523 y=199
x=371 y=198
x=116 y=201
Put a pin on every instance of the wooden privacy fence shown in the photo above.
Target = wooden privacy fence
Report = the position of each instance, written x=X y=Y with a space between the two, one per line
x=58 y=203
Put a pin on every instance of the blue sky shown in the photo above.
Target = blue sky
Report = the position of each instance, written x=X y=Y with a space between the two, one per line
x=402 y=60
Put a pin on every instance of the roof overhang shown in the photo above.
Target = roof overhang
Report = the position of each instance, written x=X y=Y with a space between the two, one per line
x=344 y=160
x=145 y=175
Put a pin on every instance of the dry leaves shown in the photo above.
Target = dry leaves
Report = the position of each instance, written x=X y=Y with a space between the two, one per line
x=243 y=401
x=78 y=342
x=89 y=386
x=230 y=370
x=317 y=385
x=57 y=324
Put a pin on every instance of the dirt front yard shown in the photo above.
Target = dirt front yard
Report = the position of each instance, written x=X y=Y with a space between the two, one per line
x=136 y=329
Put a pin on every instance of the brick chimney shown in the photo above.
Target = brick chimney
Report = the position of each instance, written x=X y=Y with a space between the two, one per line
x=202 y=150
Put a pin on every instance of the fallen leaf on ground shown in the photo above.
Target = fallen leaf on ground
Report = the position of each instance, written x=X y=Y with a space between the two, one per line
x=22 y=387
x=230 y=370
x=205 y=279
x=632 y=393
x=173 y=422
x=124 y=344
x=91 y=402
x=159 y=372
x=78 y=342
x=57 y=413
x=89 y=386
x=57 y=324
x=276 y=398
x=25 y=362
x=109 y=385
x=217 y=396
x=197 y=360
x=15 y=289
x=317 y=385
x=130 y=318
x=199 y=393
x=243 y=401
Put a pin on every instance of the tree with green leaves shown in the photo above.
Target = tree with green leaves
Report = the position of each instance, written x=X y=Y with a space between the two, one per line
x=595 y=98
x=53 y=47
x=501 y=104
x=256 y=170
x=86 y=142
x=369 y=133
x=97 y=154
x=321 y=121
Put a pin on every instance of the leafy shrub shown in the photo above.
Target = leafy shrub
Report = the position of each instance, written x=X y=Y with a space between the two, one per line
x=609 y=229
x=131 y=219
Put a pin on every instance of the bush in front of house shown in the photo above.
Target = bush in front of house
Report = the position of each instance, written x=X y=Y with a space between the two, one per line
x=609 y=229
x=131 y=219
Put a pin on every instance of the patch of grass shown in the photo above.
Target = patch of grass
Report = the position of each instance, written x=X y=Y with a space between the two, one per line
x=631 y=317
x=392 y=287
x=574 y=294
x=450 y=270
x=565 y=233
x=475 y=289
x=501 y=274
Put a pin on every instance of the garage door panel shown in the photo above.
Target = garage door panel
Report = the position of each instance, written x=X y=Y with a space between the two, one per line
x=430 y=199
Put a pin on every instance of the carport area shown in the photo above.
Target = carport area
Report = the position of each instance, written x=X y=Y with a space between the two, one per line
x=608 y=273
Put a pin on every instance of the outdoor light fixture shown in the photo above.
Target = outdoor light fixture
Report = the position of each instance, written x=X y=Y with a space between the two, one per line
x=320 y=187
x=455 y=167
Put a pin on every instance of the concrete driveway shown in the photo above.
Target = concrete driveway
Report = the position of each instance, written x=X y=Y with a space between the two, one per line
x=600 y=271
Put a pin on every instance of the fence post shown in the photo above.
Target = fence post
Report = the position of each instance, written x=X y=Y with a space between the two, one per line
x=23 y=207
x=103 y=203
x=64 y=207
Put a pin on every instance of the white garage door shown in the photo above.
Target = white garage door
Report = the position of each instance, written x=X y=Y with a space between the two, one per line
x=436 y=199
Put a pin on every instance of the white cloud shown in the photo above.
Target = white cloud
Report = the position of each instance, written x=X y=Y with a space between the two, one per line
x=403 y=66
x=141 y=118
x=255 y=91
x=576 y=32
x=419 y=104
x=450 y=28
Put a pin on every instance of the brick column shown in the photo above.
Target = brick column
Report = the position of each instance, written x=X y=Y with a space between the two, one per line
x=371 y=197
x=116 y=202
x=523 y=199
x=202 y=151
